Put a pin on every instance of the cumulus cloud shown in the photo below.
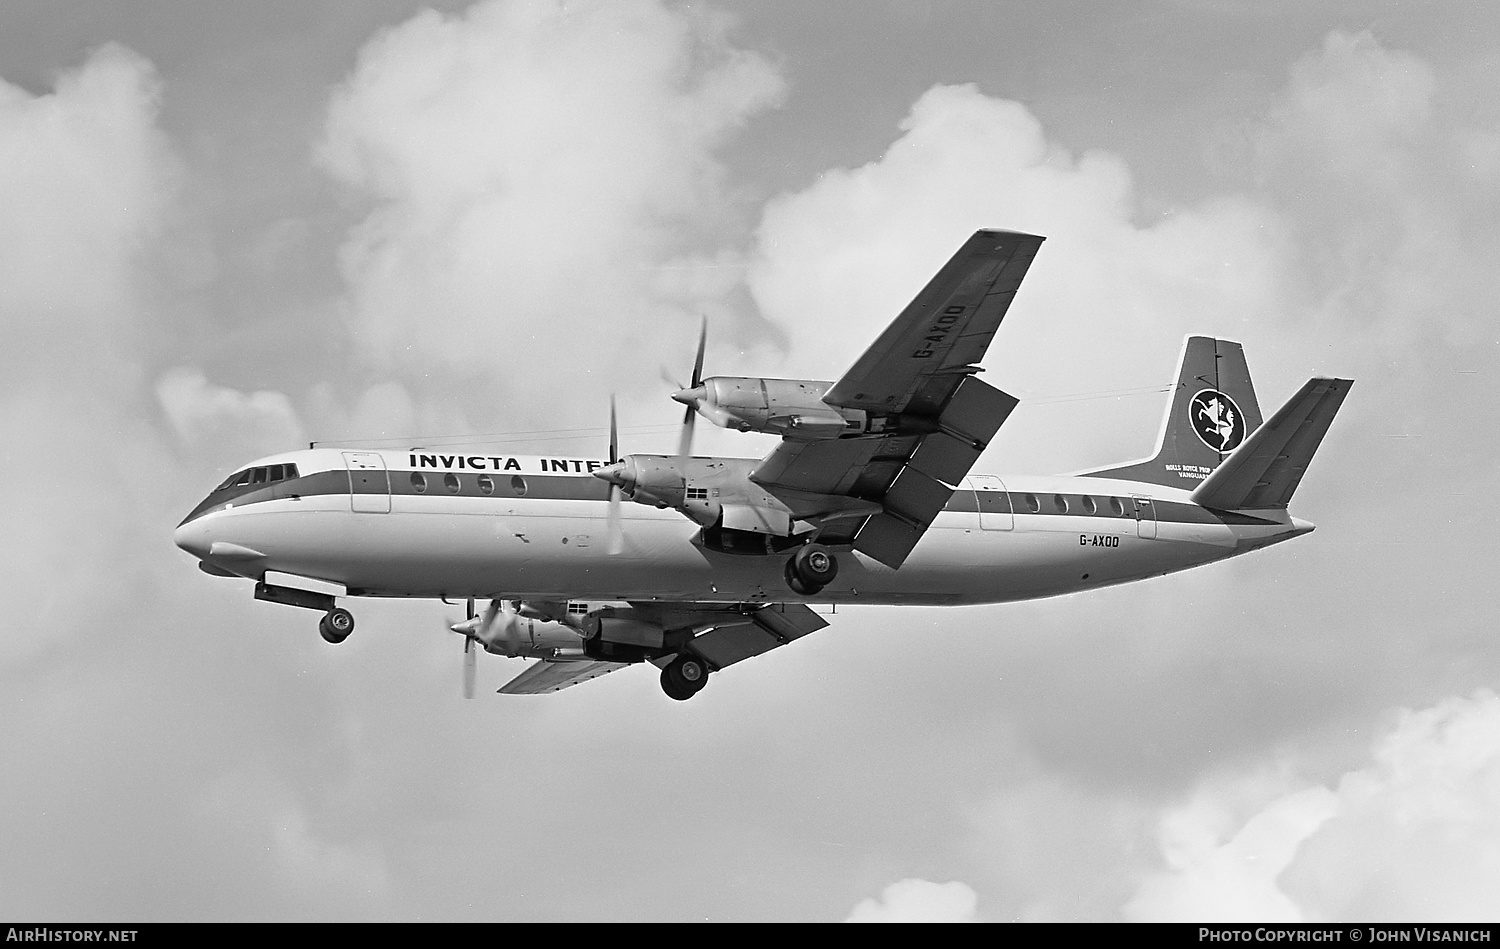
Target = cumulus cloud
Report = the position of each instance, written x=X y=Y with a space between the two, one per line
x=1413 y=837
x=540 y=172
x=919 y=901
x=86 y=180
x=201 y=412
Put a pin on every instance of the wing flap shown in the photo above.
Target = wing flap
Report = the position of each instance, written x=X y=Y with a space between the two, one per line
x=888 y=539
x=548 y=676
x=1265 y=471
x=768 y=627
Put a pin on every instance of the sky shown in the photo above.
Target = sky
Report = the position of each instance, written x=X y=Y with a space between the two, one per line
x=229 y=229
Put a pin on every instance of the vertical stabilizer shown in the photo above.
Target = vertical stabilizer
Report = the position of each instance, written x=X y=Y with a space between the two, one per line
x=1211 y=413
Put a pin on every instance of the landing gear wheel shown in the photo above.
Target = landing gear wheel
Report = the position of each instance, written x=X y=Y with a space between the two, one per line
x=336 y=625
x=684 y=677
x=811 y=569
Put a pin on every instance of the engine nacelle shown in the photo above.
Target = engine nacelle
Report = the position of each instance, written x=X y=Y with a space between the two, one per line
x=713 y=492
x=621 y=626
x=515 y=636
x=791 y=408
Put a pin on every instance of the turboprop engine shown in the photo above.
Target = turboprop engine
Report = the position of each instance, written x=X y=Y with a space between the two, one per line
x=791 y=408
x=717 y=493
x=505 y=630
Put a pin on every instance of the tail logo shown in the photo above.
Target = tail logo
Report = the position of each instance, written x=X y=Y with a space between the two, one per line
x=1217 y=420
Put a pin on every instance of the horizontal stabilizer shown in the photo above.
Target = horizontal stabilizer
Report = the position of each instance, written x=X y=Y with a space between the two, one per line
x=1264 y=471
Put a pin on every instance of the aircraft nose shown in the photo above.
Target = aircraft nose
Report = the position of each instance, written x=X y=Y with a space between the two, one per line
x=193 y=537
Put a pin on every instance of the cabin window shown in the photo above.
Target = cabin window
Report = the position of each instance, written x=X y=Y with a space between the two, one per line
x=451 y=482
x=1089 y=507
x=257 y=476
x=1117 y=506
x=486 y=484
x=1061 y=503
x=1032 y=504
x=419 y=482
x=518 y=485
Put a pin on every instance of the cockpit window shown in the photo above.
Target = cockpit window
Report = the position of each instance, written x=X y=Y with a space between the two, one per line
x=261 y=475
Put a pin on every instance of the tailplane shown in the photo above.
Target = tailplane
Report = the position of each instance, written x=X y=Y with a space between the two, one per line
x=1213 y=411
x=1267 y=469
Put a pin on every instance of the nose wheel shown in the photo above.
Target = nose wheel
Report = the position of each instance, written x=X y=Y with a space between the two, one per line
x=684 y=677
x=811 y=569
x=336 y=625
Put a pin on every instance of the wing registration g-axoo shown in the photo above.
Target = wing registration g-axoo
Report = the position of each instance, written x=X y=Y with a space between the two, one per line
x=693 y=563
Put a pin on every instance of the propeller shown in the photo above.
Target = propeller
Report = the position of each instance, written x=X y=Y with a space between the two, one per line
x=691 y=396
x=497 y=622
x=470 y=656
x=615 y=541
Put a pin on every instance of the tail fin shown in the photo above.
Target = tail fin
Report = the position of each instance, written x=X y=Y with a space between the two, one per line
x=1212 y=412
x=1264 y=473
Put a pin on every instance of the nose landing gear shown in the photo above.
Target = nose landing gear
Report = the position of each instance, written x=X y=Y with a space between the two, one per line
x=811 y=569
x=684 y=677
x=336 y=625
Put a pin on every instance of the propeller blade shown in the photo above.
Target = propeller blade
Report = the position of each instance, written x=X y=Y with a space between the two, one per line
x=690 y=397
x=470 y=657
x=614 y=432
x=512 y=631
x=698 y=362
x=615 y=542
x=685 y=440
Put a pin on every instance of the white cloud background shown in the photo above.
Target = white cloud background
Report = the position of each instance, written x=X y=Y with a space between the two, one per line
x=528 y=205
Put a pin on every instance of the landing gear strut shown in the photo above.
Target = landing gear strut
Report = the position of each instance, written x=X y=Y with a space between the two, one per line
x=811 y=569
x=336 y=625
x=684 y=677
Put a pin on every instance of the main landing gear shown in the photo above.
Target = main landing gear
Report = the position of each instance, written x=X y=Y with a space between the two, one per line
x=684 y=677
x=336 y=625
x=811 y=569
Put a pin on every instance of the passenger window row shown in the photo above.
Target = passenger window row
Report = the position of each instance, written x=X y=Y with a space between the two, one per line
x=1078 y=504
x=454 y=485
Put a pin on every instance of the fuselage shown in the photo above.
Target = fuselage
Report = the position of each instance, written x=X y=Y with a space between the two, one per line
x=424 y=524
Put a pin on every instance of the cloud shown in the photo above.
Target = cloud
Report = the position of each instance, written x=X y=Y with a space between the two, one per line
x=86 y=183
x=540 y=174
x=1413 y=837
x=199 y=412
x=919 y=901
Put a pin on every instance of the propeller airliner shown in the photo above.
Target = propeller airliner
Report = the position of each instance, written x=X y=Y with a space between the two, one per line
x=868 y=498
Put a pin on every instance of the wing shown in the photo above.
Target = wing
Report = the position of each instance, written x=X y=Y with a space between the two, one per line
x=920 y=358
x=728 y=633
x=721 y=633
x=548 y=676
x=929 y=417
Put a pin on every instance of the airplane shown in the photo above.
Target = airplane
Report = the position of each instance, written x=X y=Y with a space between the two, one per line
x=867 y=499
